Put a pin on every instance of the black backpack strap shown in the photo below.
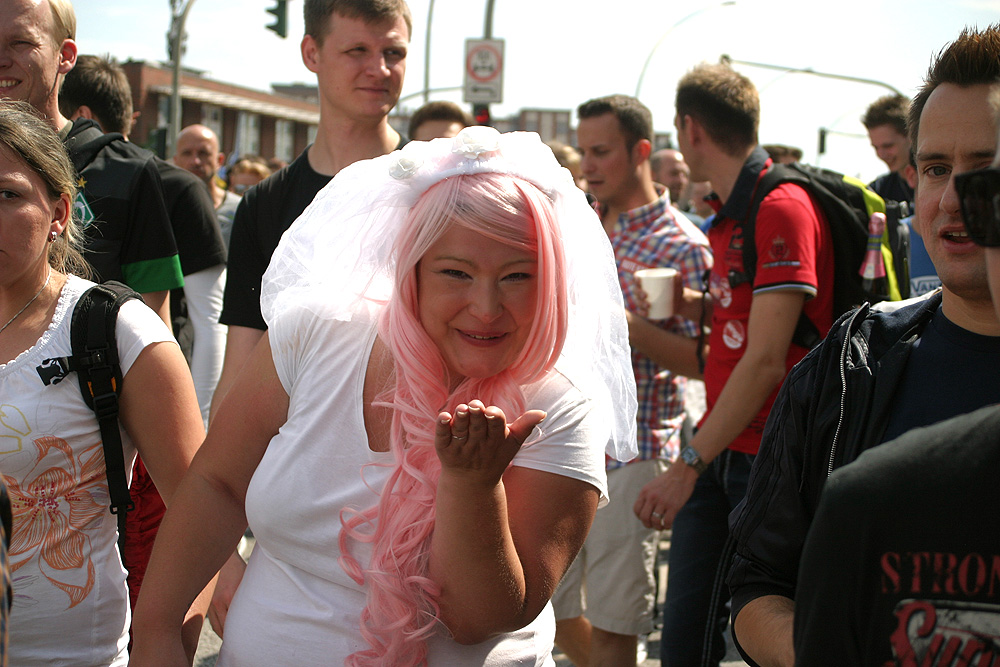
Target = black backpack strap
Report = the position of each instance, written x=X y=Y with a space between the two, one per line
x=899 y=241
x=95 y=360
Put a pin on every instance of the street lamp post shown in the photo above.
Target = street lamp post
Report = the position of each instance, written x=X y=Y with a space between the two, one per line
x=176 y=35
x=488 y=21
x=427 y=54
x=809 y=70
x=663 y=37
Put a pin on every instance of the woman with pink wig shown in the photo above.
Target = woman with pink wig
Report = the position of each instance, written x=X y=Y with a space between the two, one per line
x=419 y=441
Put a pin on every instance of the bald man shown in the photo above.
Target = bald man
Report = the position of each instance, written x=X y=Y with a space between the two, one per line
x=669 y=169
x=198 y=152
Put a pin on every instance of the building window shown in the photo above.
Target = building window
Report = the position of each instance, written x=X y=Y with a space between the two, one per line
x=247 y=133
x=531 y=119
x=211 y=117
x=284 y=139
x=562 y=127
x=163 y=111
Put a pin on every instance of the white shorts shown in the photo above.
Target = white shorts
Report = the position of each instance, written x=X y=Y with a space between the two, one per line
x=611 y=582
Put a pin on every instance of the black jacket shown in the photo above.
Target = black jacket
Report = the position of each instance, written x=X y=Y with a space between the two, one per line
x=833 y=406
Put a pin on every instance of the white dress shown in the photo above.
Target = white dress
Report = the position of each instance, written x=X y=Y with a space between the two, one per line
x=295 y=604
x=70 y=597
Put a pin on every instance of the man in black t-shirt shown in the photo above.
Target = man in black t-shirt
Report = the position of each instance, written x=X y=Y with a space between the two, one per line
x=877 y=373
x=97 y=89
x=358 y=52
x=356 y=94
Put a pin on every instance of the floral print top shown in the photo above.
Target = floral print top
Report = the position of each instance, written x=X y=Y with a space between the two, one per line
x=70 y=598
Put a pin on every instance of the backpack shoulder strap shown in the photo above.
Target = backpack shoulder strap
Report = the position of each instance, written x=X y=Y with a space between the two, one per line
x=772 y=178
x=95 y=360
x=806 y=335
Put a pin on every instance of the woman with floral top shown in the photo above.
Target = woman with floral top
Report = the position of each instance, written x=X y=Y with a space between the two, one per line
x=71 y=603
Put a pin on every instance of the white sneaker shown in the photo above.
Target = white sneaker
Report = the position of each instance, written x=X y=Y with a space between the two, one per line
x=641 y=650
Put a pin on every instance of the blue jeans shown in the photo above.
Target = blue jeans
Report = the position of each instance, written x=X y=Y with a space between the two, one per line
x=696 y=612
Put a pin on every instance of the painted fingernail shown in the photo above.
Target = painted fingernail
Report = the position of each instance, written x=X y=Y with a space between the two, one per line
x=475 y=408
x=462 y=410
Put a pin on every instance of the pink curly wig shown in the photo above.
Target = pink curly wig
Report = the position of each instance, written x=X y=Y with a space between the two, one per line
x=402 y=611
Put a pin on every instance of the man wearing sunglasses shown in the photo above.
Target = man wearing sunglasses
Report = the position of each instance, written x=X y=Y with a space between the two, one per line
x=913 y=525
x=881 y=371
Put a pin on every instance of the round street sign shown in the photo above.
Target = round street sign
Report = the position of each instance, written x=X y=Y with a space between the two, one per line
x=483 y=71
x=484 y=62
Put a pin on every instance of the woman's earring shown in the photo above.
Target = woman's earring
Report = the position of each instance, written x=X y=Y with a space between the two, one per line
x=53 y=235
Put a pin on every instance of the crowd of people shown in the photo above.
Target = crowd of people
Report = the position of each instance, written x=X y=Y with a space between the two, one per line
x=423 y=371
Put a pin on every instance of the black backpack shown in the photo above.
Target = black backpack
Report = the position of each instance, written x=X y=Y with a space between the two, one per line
x=848 y=205
x=95 y=361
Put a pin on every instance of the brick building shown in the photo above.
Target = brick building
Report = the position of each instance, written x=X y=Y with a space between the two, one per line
x=279 y=124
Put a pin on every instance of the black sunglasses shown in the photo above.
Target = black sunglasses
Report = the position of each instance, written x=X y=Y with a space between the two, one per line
x=979 y=197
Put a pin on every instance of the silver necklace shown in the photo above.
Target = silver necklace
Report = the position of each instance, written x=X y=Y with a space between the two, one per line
x=30 y=301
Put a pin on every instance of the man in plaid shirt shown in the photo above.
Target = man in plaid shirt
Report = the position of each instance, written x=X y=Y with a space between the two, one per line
x=616 y=565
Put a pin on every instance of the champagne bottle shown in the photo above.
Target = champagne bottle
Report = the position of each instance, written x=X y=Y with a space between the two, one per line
x=873 y=276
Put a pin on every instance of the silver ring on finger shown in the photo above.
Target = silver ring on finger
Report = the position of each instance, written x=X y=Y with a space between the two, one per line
x=460 y=437
x=657 y=516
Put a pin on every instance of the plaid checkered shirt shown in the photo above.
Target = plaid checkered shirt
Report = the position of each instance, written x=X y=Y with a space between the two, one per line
x=647 y=237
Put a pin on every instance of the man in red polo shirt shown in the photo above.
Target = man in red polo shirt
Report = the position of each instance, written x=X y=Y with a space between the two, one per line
x=750 y=348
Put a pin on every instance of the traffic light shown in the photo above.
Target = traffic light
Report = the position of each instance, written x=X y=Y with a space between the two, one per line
x=481 y=112
x=280 y=11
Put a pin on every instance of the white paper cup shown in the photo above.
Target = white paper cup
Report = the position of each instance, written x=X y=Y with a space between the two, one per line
x=658 y=284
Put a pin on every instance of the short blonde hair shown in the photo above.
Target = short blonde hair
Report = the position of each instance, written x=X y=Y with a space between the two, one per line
x=63 y=20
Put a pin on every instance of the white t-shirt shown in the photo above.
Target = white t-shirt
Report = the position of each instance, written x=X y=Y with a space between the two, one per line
x=70 y=597
x=295 y=604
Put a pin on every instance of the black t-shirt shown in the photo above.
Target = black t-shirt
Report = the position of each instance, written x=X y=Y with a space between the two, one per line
x=950 y=371
x=266 y=211
x=196 y=231
x=892 y=187
x=192 y=217
x=126 y=228
x=902 y=564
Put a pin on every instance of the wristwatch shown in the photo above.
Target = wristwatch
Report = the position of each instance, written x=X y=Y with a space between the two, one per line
x=690 y=457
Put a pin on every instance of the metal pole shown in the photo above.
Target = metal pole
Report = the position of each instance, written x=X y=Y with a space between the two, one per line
x=487 y=34
x=425 y=93
x=809 y=70
x=488 y=22
x=663 y=37
x=177 y=36
x=427 y=54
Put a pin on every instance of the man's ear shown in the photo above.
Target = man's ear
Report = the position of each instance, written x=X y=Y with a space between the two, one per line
x=910 y=176
x=67 y=56
x=696 y=133
x=83 y=111
x=642 y=150
x=310 y=53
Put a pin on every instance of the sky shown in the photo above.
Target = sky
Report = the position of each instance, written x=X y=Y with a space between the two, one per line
x=559 y=54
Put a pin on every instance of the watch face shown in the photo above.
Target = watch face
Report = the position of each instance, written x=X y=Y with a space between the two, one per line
x=690 y=457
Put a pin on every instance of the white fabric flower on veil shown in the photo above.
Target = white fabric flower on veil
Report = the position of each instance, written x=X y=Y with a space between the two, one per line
x=476 y=141
x=404 y=167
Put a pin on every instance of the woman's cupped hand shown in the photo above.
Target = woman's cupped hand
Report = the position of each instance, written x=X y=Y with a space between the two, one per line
x=478 y=443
